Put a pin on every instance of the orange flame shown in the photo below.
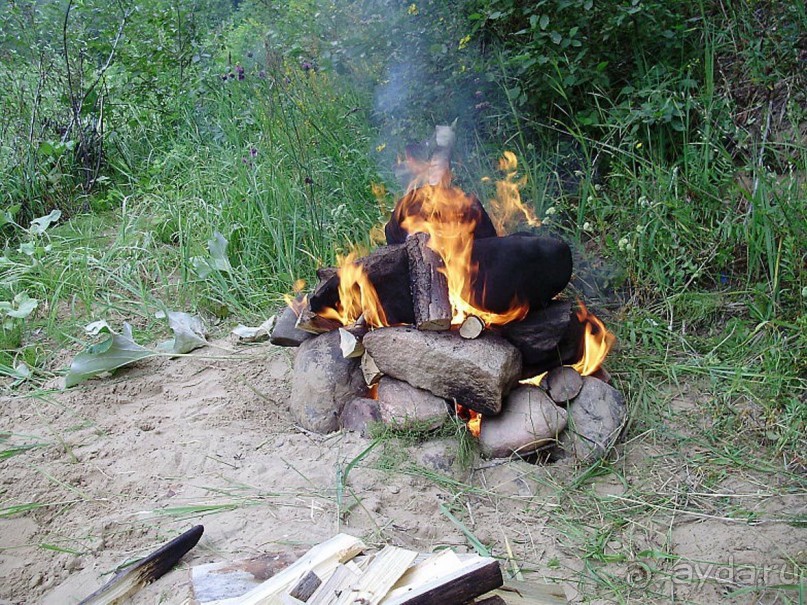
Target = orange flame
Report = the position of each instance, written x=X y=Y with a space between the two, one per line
x=449 y=217
x=508 y=209
x=473 y=419
x=357 y=295
x=597 y=342
x=297 y=303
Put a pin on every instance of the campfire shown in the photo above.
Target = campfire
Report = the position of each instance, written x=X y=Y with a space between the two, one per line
x=455 y=315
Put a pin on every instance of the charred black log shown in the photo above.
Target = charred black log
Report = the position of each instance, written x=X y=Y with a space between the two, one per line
x=519 y=267
x=568 y=351
x=412 y=205
x=387 y=268
x=537 y=336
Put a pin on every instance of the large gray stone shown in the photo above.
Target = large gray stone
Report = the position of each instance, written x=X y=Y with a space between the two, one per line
x=477 y=373
x=406 y=407
x=529 y=421
x=596 y=418
x=285 y=334
x=323 y=382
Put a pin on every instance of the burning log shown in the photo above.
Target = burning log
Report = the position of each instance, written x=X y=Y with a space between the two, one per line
x=429 y=286
x=537 y=335
x=520 y=267
x=472 y=327
x=387 y=269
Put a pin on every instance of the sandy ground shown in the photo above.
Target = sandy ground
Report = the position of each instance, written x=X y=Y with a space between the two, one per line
x=126 y=463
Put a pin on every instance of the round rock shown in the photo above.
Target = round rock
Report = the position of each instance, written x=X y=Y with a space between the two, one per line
x=529 y=420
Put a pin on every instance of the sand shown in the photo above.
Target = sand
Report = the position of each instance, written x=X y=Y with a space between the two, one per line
x=125 y=463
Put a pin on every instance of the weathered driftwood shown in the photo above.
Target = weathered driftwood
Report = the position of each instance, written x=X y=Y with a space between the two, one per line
x=471 y=327
x=538 y=334
x=520 y=267
x=428 y=285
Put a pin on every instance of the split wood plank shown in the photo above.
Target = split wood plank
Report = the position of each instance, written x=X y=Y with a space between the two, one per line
x=423 y=571
x=383 y=572
x=340 y=581
x=322 y=559
x=475 y=578
x=308 y=321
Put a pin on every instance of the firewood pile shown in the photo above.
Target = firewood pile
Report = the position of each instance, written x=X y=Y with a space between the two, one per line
x=342 y=571
x=451 y=318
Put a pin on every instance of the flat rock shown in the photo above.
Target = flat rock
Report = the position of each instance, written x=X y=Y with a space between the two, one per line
x=285 y=334
x=406 y=407
x=359 y=414
x=477 y=373
x=323 y=382
x=596 y=418
x=562 y=384
x=530 y=420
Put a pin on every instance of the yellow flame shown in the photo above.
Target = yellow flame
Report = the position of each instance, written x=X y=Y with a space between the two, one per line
x=597 y=342
x=508 y=209
x=357 y=295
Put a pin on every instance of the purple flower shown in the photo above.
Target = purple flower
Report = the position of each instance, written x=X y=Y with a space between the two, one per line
x=253 y=152
x=224 y=77
x=307 y=65
x=240 y=71
x=262 y=74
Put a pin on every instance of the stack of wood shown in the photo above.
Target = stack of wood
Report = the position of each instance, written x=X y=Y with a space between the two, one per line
x=336 y=572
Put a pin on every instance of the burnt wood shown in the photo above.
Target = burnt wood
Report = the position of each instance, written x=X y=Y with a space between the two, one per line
x=537 y=335
x=568 y=351
x=387 y=268
x=412 y=205
x=520 y=267
x=458 y=587
x=429 y=286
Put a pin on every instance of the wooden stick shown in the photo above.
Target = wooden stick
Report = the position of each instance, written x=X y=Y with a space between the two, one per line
x=428 y=284
x=472 y=327
x=307 y=585
x=147 y=570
